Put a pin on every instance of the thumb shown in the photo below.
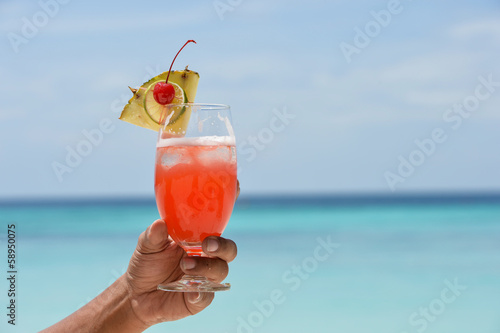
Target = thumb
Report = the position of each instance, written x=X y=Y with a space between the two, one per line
x=154 y=239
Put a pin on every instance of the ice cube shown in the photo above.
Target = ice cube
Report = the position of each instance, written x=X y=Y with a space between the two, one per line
x=218 y=153
x=174 y=156
x=169 y=160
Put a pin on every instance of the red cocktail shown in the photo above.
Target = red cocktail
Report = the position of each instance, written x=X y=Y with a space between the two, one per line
x=195 y=186
x=195 y=180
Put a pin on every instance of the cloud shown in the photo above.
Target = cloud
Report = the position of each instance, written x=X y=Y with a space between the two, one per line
x=469 y=30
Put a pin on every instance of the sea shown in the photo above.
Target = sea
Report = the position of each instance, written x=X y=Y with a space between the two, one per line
x=349 y=264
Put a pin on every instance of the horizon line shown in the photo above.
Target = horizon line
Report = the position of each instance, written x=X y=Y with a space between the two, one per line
x=280 y=198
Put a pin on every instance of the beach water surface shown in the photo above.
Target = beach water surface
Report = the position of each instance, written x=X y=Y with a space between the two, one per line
x=315 y=267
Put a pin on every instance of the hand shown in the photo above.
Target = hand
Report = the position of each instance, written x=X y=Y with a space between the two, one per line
x=132 y=303
x=158 y=259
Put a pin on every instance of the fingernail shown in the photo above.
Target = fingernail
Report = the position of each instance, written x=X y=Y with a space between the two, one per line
x=194 y=297
x=212 y=245
x=188 y=263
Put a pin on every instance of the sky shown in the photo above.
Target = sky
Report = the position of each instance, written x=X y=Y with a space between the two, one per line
x=328 y=97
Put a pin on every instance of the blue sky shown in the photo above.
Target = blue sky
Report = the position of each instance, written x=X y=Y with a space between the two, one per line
x=350 y=123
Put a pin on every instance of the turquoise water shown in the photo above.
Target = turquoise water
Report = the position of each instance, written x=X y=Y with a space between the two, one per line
x=388 y=265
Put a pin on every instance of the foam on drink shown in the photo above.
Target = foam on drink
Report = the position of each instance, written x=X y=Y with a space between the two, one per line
x=198 y=141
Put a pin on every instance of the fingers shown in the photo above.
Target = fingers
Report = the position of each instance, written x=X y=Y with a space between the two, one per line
x=213 y=268
x=154 y=239
x=237 y=188
x=222 y=248
x=198 y=301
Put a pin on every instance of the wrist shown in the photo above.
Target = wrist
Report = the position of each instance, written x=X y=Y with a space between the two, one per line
x=125 y=312
x=115 y=310
x=111 y=311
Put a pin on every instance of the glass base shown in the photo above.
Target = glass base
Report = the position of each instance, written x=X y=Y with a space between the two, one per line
x=191 y=283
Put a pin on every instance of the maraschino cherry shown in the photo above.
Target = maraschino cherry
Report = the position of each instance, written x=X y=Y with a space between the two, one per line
x=164 y=92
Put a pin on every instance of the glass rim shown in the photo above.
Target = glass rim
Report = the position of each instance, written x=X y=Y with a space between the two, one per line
x=206 y=106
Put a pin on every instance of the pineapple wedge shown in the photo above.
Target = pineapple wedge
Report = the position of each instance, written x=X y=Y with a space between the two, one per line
x=134 y=112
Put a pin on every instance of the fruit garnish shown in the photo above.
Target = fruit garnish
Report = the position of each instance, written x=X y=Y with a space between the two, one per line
x=157 y=112
x=164 y=92
x=135 y=113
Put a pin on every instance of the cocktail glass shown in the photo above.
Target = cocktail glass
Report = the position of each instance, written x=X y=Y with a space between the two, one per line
x=195 y=181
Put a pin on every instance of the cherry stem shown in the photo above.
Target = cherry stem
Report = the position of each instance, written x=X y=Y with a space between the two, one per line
x=189 y=41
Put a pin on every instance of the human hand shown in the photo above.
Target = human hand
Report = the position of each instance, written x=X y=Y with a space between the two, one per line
x=159 y=260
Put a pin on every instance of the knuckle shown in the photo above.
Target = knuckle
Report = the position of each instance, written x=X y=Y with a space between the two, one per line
x=142 y=248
